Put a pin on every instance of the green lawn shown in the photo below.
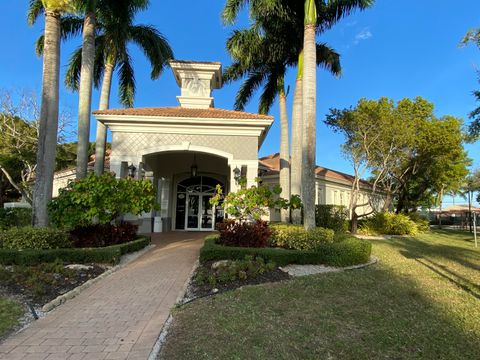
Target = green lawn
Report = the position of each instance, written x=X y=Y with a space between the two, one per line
x=421 y=301
x=10 y=313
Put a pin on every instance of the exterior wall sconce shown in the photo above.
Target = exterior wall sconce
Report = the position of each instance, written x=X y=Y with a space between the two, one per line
x=237 y=174
x=131 y=171
x=194 y=167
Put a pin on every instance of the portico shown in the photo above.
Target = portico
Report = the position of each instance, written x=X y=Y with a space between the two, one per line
x=187 y=150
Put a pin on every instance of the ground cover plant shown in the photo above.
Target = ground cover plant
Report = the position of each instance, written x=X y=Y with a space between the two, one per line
x=10 y=313
x=41 y=283
x=419 y=302
x=219 y=276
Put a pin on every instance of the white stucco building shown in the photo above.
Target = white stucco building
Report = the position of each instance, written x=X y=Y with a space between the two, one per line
x=187 y=150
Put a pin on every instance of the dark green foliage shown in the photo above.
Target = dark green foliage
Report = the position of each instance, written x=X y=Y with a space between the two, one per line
x=100 y=235
x=350 y=251
x=248 y=268
x=15 y=217
x=332 y=217
x=29 y=238
x=295 y=237
x=103 y=198
x=233 y=233
x=107 y=255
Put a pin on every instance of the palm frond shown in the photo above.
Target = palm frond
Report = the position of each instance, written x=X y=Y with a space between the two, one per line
x=154 y=45
x=330 y=12
x=126 y=80
x=245 y=93
x=270 y=92
x=234 y=72
x=72 y=76
x=100 y=60
x=35 y=9
x=232 y=9
x=329 y=59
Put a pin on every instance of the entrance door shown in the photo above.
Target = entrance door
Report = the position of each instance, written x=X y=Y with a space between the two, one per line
x=194 y=211
x=199 y=212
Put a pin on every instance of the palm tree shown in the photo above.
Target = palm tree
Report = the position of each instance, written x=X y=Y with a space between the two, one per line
x=264 y=60
x=115 y=30
x=317 y=16
x=48 y=128
x=85 y=88
x=474 y=128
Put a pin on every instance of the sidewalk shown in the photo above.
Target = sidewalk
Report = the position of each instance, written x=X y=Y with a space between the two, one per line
x=121 y=316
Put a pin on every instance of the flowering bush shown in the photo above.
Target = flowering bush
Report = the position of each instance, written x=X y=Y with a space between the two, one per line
x=295 y=237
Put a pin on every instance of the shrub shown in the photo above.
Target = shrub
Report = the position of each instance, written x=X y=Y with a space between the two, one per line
x=233 y=270
x=422 y=223
x=100 y=235
x=388 y=223
x=102 y=198
x=295 y=237
x=234 y=233
x=107 y=255
x=15 y=217
x=349 y=251
x=332 y=217
x=34 y=238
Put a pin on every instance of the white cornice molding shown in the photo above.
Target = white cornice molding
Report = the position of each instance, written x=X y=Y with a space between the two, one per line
x=174 y=125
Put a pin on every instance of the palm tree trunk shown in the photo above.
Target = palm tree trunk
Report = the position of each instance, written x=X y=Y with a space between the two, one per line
x=48 y=127
x=309 y=115
x=297 y=134
x=85 y=93
x=101 y=137
x=284 y=150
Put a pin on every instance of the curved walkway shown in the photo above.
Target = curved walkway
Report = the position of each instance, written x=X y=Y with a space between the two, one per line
x=121 y=316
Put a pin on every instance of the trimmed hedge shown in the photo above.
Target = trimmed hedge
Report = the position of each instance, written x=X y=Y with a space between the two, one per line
x=109 y=254
x=350 y=251
x=29 y=238
x=295 y=237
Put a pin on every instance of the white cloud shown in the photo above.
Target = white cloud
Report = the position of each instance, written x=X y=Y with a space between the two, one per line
x=365 y=34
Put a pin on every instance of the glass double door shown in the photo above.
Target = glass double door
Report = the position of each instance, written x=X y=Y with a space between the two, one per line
x=199 y=214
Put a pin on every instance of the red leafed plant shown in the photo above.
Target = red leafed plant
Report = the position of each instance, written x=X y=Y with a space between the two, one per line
x=243 y=234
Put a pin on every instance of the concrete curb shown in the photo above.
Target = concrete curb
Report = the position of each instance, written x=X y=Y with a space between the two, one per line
x=125 y=260
x=154 y=355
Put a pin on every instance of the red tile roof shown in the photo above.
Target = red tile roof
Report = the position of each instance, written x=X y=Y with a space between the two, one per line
x=272 y=163
x=182 y=112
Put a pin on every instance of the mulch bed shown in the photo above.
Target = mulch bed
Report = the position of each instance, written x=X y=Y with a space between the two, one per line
x=195 y=290
x=38 y=285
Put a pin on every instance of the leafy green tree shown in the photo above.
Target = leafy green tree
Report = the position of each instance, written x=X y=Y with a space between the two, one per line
x=412 y=154
x=101 y=199
x=53 y=9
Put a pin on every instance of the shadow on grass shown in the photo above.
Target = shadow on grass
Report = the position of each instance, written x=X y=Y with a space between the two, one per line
x=460 y=281
x=419 y=248
x=373 y=313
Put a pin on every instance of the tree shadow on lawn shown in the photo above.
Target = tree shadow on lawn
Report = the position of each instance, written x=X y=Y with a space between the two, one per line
x=460 y=281
x=377 y=312
x=418 y=248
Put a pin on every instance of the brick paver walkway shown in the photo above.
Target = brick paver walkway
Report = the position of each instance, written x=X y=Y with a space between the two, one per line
x=121 y=316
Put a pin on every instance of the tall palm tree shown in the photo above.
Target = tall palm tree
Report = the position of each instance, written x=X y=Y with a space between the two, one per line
x=318 y=16
x=85 y=88
x=48 y=128
x=115 y=31
x=262 y=57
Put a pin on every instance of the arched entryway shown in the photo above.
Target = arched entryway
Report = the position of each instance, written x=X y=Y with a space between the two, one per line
x=193 y=209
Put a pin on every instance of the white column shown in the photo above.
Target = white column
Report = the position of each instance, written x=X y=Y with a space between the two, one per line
x=252 y=173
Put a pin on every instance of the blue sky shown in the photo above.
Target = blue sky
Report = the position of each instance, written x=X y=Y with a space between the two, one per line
x=396 y=49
